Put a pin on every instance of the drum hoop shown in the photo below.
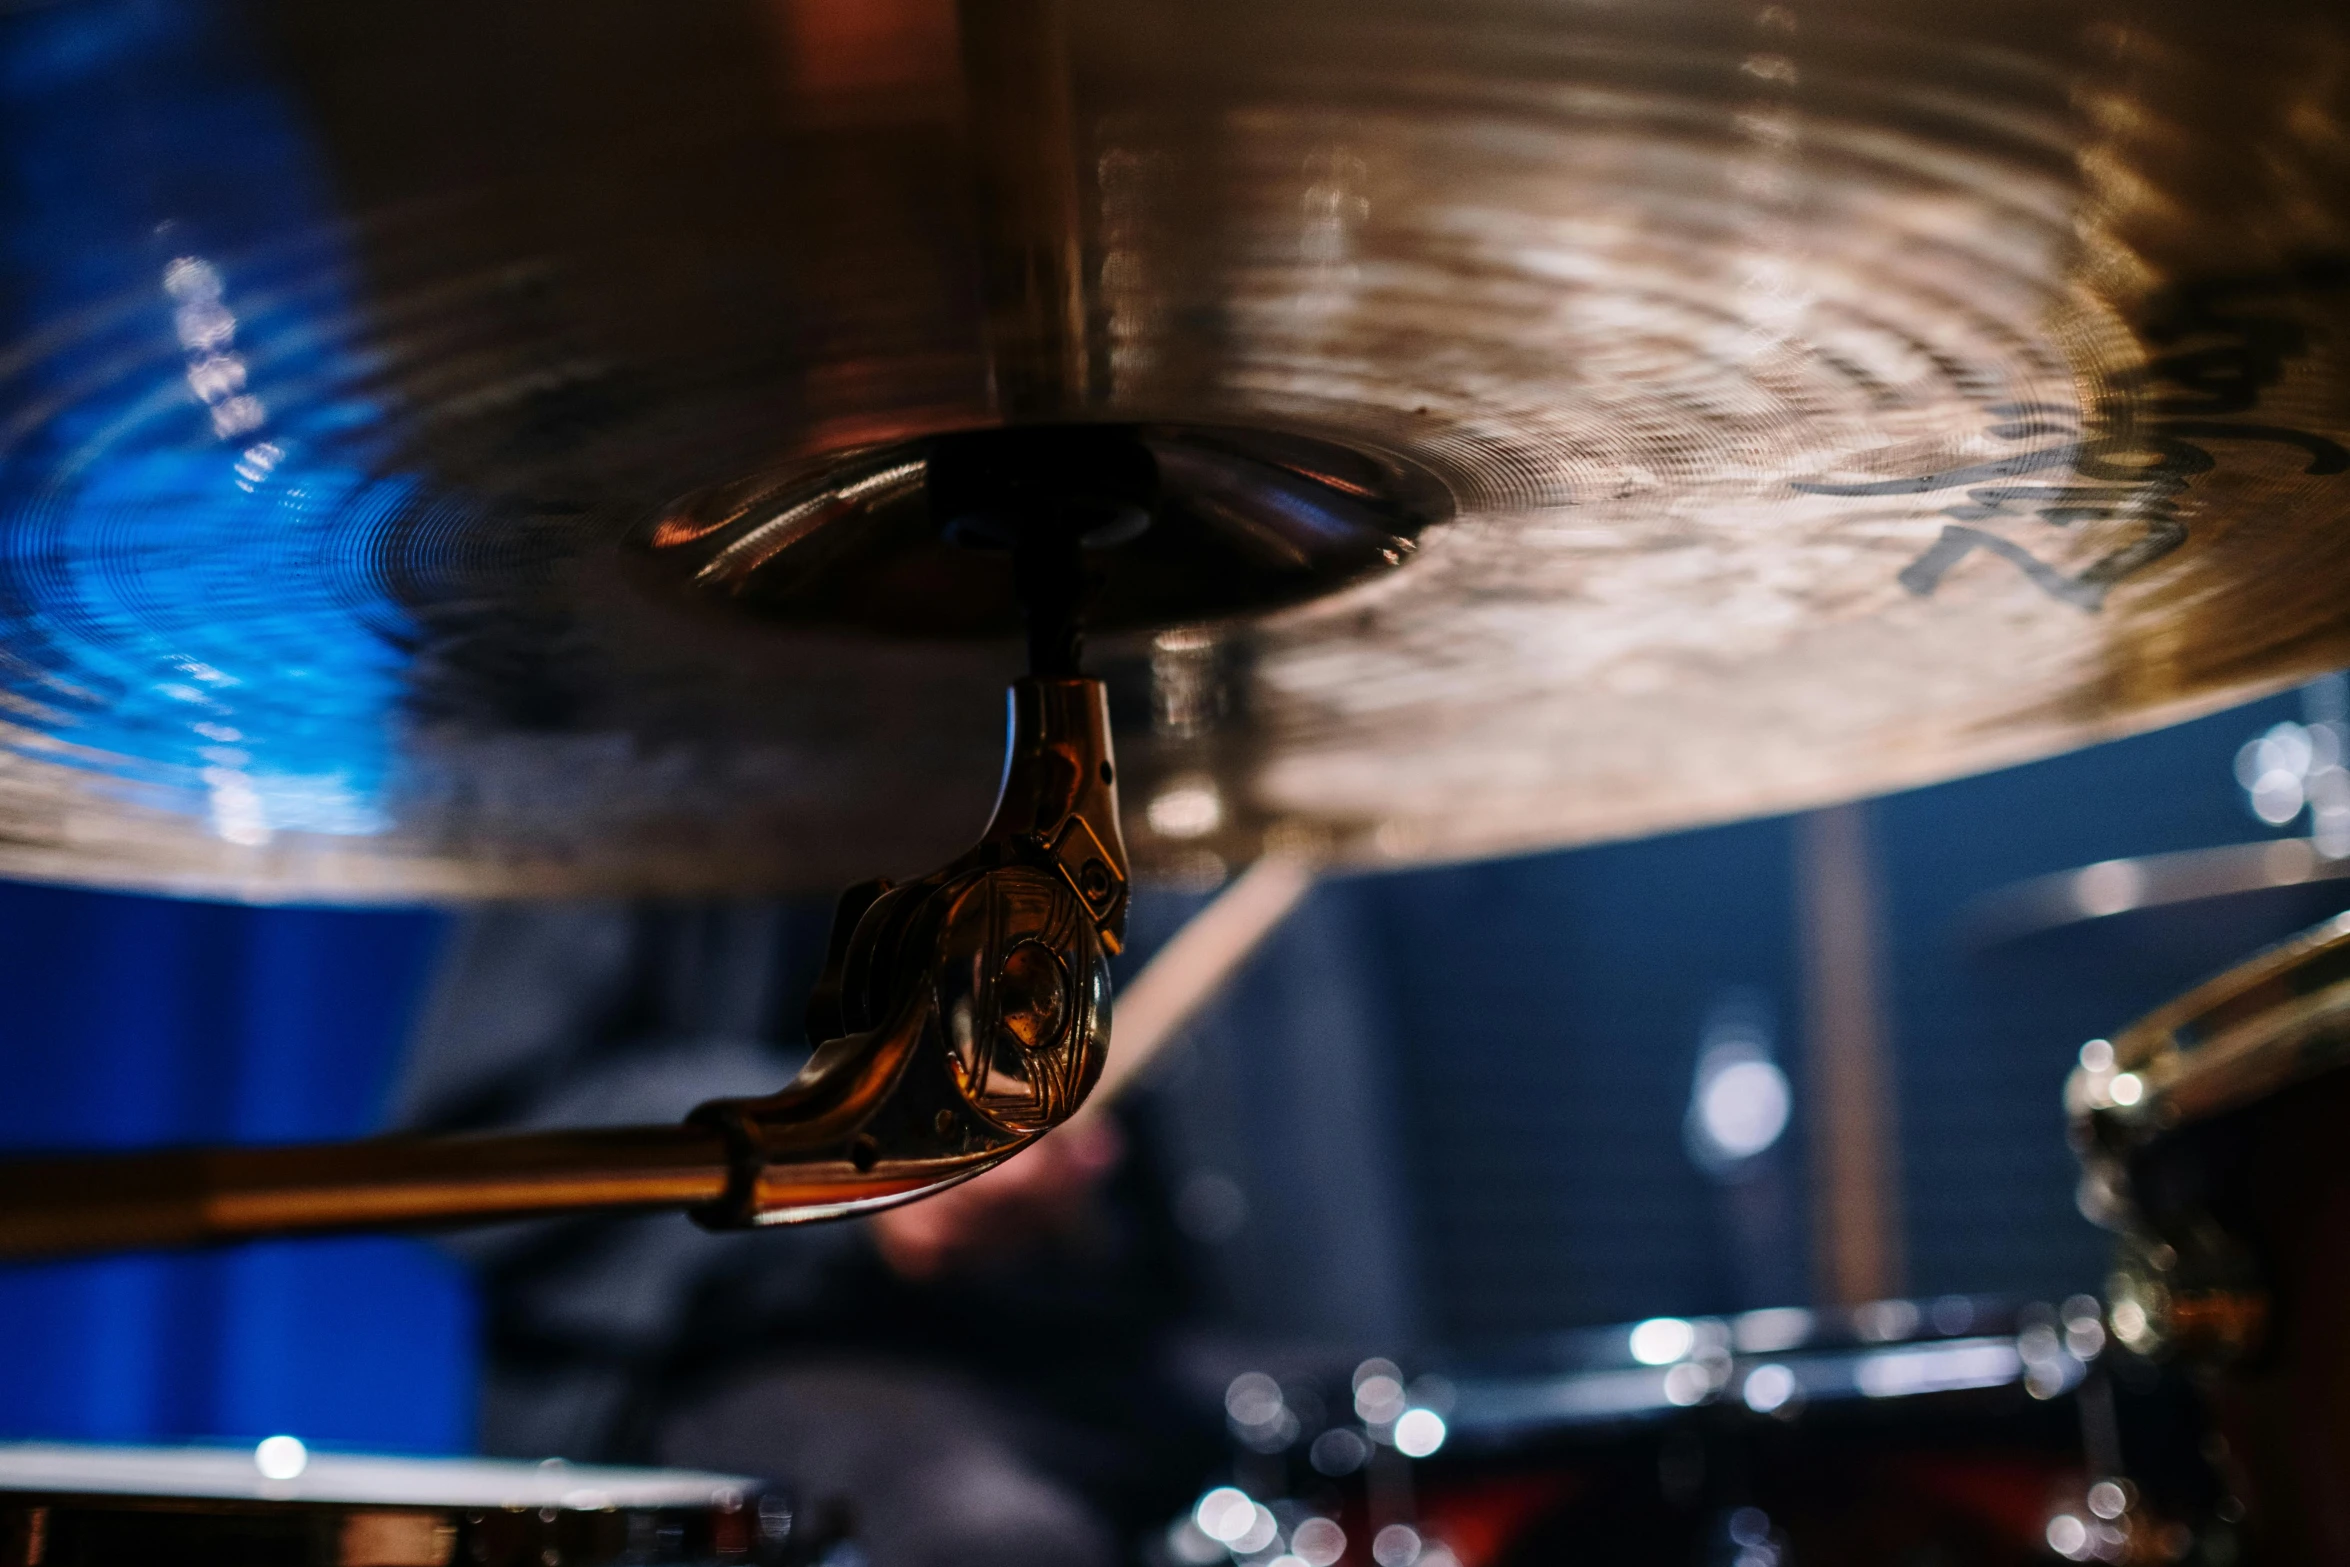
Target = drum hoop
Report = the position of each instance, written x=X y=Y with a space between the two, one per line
x=133 y=1476
x=2280 y=1018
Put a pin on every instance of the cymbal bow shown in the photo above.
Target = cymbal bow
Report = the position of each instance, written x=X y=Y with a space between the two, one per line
x=494 y=448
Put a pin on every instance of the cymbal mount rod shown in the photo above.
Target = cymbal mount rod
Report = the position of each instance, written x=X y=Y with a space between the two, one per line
x=961 y=1015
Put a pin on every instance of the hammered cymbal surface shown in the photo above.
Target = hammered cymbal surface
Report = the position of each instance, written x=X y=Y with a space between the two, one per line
x=1821 y=398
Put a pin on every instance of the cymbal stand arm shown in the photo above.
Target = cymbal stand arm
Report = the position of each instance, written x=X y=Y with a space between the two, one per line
x=963 y=1014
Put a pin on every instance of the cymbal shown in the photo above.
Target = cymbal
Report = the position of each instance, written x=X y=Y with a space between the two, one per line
x=480 y=449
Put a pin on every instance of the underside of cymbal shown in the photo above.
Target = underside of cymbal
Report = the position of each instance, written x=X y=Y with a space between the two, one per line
x=484 y=449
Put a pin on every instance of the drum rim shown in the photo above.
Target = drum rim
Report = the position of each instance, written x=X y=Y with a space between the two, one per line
x=211 y=1473
x=2279 y=1018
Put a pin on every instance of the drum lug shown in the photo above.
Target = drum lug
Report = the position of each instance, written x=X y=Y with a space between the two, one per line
x=2203 y=1301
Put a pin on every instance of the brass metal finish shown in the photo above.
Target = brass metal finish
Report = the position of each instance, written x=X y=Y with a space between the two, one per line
x=973 y=1006
x=50 y=1207
x=1021 y=118
x=1243 y=524
x=965 y=1014
x=1825 y=396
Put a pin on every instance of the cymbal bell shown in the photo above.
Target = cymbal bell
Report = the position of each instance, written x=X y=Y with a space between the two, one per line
x=481 y=450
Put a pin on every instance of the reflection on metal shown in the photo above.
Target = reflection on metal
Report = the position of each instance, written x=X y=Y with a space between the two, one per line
x=966 y=1014
x=64 y=1503
x=1777 y=1362
x=51 y=1207
x=1020 y=118
x=1856 y=1198
x=2186 y=1280
x=2281 y=1019
x=1238 y=523
x=2210 y=1137
x=2153 y=881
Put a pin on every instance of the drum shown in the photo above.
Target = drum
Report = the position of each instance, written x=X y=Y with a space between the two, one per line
x=1960 y=1429
x=2208 y=1137
x=278 y=1505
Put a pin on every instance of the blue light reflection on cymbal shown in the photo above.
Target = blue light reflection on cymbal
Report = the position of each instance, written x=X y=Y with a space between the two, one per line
x=188 y=506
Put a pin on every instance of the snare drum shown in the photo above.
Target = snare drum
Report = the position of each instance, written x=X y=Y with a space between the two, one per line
x=280 y=1506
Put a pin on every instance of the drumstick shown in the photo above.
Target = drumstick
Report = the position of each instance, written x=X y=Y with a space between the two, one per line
x=1195 y=964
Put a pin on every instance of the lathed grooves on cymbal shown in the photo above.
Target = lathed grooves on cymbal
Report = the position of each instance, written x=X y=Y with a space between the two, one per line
x=1822 y=397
